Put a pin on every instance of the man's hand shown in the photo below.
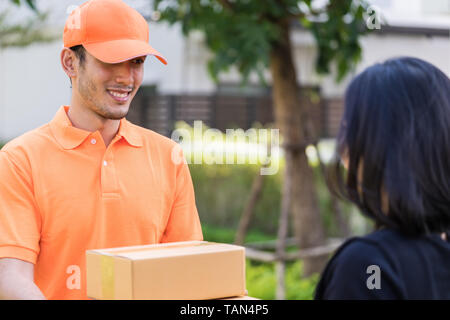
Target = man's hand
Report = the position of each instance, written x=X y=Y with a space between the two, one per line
x=17 y=280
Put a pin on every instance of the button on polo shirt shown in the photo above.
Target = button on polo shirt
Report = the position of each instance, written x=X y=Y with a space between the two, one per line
x=64 y=192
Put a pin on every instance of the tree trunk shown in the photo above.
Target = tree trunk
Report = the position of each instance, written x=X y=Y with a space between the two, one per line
x=255 y=194
x=290 y=119
x=283 y=232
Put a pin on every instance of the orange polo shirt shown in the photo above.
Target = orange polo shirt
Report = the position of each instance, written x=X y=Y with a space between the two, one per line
x=64 y=192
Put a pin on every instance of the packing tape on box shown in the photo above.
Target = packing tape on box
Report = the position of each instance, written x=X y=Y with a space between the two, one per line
x=119 y=251
x=107 y=269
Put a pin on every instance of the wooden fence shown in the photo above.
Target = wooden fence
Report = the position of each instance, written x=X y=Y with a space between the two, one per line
x=161 y=112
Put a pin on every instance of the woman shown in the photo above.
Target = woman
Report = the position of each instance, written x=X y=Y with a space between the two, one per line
x=394 y=142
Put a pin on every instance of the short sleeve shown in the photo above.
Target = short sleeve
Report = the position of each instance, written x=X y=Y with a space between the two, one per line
x=360 y=270
x=19 y=218
x=183 y=223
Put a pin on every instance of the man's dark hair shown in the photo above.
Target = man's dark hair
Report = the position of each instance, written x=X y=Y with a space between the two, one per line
x=80 y=53
x=396 y=126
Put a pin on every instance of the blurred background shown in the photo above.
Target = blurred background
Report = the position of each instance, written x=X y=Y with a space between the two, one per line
x=226 y=67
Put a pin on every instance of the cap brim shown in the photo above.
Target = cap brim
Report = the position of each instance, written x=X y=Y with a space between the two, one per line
x=117 y=51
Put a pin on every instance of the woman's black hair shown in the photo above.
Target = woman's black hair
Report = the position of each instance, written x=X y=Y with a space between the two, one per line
x=396 y=132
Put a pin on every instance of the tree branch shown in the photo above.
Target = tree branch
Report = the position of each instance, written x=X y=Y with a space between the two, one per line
x=226 y=4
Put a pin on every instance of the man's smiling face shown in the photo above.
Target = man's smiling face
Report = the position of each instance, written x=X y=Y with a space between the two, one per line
x=108 y=89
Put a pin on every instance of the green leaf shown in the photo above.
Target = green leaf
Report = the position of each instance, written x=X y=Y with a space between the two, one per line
x=244 y=34
x=31 y=4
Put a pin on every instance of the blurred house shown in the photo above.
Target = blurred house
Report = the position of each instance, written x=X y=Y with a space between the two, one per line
x=33 y=84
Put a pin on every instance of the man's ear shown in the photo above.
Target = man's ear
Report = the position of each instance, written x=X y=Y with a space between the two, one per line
x=68 y=62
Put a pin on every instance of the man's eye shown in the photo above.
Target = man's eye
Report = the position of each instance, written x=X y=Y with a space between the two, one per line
x=138 y=61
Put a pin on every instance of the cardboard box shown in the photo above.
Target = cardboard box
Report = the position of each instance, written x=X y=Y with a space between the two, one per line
x=191 y=270
x=240 y=298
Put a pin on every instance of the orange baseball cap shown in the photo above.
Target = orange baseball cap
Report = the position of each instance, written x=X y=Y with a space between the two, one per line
x=110 y=30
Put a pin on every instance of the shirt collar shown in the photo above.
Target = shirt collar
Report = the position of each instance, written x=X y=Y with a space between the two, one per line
x=70 y=137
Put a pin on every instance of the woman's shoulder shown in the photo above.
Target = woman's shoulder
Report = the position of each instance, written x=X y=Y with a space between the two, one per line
x=355 y=270
x=391 y=247
x=368 y=247
x=364 y=251
x=395 y=257
x=389 y=241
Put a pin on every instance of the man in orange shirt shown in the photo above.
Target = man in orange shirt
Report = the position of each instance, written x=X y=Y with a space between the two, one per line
x=89 y=178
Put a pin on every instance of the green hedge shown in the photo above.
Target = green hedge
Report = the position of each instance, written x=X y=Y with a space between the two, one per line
x=261 y=277
x=222 y=192
x=261 y=281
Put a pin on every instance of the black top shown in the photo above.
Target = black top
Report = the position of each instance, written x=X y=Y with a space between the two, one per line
x=388 y=265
